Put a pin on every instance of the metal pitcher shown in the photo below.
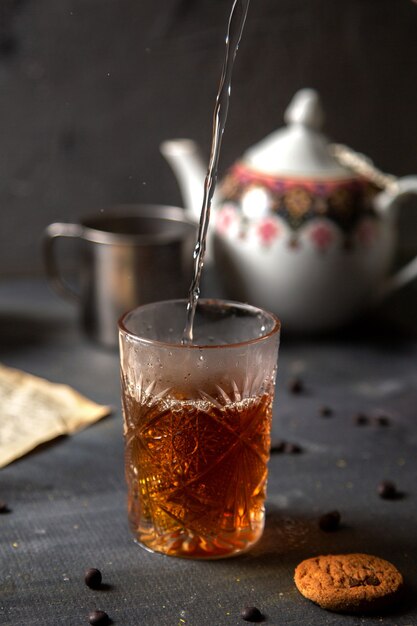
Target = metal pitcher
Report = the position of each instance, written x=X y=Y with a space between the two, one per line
x=129 y=255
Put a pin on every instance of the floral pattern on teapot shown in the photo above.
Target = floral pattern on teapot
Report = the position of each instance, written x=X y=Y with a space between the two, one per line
x=277 y=205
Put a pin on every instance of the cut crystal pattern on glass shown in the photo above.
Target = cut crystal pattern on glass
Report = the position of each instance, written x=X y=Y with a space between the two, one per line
x=196 y=468
x=197 y=422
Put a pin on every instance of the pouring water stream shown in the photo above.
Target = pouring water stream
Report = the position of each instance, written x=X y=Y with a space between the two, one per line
x=234 y=33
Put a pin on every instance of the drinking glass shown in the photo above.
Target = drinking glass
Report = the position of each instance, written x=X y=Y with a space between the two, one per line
x=197 y=422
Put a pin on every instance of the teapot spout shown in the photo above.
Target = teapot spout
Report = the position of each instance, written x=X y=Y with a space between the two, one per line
x=187 y=164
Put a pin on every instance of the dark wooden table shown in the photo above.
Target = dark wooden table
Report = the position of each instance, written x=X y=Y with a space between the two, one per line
x=67 y=499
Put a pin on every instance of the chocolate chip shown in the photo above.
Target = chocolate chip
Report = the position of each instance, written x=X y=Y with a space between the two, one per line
x=382 y=420
x=292 y=448
x=280 y=446
x=370 y=580
x=99 y=618
x=326 y=411
x=296 y=385
x=388 y=490
x=92 y=578
x=360 y=419
x=252 y=614
x=277 y=446
x=329 y=521
x=3 y=507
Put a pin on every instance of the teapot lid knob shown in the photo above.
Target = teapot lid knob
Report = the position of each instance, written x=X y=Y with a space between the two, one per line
x=305 y=109
x=299 y=150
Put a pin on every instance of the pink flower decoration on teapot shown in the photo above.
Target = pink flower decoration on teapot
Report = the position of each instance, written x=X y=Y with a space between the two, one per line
x=268 y=230
x=298 y=201
x=321 y=235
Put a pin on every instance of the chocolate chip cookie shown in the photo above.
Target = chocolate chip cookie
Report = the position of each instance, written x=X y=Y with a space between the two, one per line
x=348 y=583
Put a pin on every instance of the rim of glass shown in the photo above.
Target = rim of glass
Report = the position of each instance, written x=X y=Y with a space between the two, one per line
x=156 y=342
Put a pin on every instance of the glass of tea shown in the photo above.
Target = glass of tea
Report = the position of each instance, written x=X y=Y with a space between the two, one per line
x=197 y=421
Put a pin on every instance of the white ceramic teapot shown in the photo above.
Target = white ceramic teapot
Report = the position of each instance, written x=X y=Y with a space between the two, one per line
x=296 y=231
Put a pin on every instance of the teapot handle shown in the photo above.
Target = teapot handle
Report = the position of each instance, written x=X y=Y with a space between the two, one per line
x=385 y=203
x=393 y=190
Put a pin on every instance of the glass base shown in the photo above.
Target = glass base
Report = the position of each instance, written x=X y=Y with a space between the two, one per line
x=187 y=545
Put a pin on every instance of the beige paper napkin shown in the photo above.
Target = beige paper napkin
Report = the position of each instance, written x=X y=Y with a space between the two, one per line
x=34 y=410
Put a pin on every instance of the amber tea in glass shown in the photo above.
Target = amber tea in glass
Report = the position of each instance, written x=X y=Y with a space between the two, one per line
x=197 y=420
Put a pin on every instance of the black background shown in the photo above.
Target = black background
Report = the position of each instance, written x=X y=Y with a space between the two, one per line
x=89 y=89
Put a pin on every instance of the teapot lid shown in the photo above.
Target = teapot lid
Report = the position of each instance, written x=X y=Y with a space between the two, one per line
x=299 y=149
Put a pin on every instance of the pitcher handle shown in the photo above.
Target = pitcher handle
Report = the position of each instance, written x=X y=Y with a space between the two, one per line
x=403 y=187
x=51 y=235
